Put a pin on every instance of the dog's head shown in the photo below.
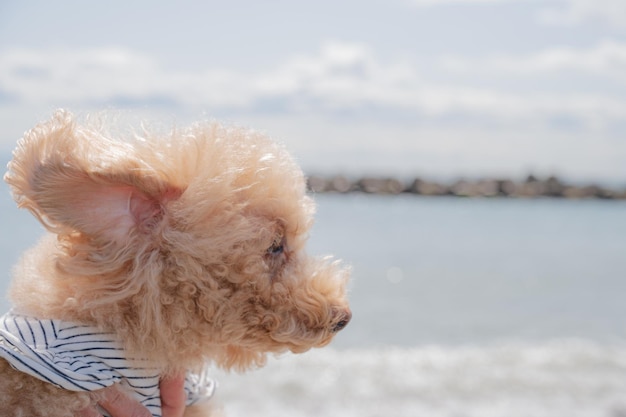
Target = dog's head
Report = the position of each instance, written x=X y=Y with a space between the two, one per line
x=188 y=245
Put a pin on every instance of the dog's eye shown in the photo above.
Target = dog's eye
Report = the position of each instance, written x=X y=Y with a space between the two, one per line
x=277 y=248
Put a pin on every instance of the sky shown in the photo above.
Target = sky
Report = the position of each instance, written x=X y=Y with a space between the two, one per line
x=429 y=88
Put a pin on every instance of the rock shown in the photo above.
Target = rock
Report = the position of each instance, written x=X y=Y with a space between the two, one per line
x=428 y=188
x=381 y=185
x=506 y=187
x=531 y=187
x=590 y=191
x=554 y=187
x=340 y=184
x=317 y=184
x=482 y=188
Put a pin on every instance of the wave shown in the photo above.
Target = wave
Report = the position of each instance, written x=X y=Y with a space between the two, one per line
x=560 y=378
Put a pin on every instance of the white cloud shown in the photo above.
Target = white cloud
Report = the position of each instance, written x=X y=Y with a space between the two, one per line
x=101 y=75
x=570 y=12
x=456 y=126
x=554 y=12
x=41 y=75
x=606 y=60
x=339 y=75
x=341 y=78
x=595 y=78
x=432 y=3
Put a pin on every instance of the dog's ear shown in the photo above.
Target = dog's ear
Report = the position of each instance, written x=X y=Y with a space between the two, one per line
x=75 y=179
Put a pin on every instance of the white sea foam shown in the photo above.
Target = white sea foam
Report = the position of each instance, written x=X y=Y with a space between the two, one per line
x=561 y=378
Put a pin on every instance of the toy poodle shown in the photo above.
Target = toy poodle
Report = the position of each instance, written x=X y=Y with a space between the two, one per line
x=166 y=253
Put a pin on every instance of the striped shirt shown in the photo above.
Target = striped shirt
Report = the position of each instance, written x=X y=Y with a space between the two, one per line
x=80 y=357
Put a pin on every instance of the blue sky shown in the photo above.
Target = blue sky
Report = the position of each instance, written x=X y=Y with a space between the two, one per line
x=437 y=88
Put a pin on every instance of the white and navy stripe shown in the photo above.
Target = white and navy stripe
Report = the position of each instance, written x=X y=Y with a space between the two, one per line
x=79 y=357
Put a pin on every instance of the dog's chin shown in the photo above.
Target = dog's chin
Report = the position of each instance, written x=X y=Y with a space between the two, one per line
x=306 y=341
x=324 y=341
x=321 y=342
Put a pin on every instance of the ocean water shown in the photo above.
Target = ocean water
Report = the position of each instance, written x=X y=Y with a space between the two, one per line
x=461 y=307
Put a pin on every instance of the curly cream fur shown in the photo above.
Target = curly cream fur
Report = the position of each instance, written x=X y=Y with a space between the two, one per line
x=167 y=241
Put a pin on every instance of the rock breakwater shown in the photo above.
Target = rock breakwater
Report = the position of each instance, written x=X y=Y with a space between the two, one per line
x=531 y=187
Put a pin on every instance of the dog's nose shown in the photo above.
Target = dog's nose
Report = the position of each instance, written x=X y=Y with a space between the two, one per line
x=344 y=318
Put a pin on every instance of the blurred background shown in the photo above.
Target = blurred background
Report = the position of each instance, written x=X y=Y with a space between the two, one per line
x=462 y=306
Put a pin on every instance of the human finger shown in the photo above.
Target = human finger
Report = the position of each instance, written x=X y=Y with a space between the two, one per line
x=173 y=397
x=118 y=404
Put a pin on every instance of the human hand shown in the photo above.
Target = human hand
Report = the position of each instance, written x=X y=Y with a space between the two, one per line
x=118 y=404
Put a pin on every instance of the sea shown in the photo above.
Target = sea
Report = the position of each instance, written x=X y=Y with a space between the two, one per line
x=473 y=307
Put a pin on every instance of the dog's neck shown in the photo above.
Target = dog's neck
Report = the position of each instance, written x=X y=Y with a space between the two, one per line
x=147 y=328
